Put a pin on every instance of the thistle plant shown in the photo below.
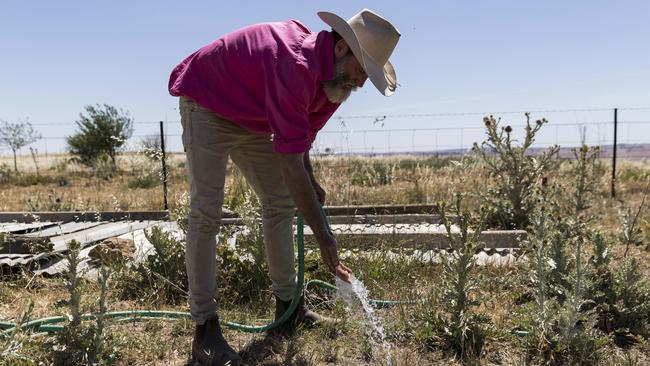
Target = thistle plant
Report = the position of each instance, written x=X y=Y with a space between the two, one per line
x=632 y=233
x=602 y=278
x=633 y=300
x=73 y=282
x=585 y=169
x=100 y=336
x=463 y=326
x=600 y=258
x=75 y=342
x=558 y=255
x=539 y=315
x=517 y=175
x=579 y=342
x=12 y=344
x=164 y=272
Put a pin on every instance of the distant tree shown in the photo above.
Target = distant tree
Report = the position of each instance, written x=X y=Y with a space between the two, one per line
x=102 y=130
x=17 y=135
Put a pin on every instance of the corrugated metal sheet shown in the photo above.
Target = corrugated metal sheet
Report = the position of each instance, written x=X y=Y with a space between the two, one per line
x=89 y=233
x=18 y=227
x=57 y=235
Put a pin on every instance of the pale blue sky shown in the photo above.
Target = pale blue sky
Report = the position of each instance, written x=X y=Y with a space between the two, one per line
x=453 y=57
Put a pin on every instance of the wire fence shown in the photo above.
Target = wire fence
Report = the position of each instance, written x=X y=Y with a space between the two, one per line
x=444 y=133
x=435 y=134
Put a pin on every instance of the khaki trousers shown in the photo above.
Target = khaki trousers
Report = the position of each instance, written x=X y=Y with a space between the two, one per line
x=209 y=140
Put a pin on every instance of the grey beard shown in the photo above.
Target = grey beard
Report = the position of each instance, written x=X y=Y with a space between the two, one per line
x=338 y=89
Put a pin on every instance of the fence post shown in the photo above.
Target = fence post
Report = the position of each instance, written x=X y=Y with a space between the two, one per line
x=614 y=153
x=164 y=166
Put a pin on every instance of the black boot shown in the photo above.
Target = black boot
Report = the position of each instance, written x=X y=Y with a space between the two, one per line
x=210 y=348
x=300 y=316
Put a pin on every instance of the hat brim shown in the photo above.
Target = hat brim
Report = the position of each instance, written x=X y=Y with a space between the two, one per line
x=383 y=77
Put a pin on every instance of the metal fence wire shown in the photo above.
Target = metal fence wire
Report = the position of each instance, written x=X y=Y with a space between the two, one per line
x=438 y=134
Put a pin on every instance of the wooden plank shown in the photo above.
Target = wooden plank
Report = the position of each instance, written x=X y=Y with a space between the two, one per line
x=67 y=216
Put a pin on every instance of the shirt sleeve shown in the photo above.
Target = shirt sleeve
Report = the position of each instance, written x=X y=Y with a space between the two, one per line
x=289 y=92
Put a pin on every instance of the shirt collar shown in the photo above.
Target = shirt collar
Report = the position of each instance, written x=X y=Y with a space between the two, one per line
x=318 y=51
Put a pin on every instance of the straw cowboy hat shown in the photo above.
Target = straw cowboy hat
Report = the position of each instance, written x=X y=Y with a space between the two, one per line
x=372 y=40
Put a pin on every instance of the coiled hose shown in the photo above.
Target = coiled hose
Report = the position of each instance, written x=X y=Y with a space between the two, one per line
x=50 y=324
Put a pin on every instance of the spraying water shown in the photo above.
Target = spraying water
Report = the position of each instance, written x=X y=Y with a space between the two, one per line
x=356 y=289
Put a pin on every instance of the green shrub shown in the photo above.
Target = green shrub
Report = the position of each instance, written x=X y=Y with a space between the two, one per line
x=455 y=319
x=632 y=233
x=12 y=344
x=377 y=172
x=7 y=176
x=53 y=201
x=164 y=271
x=561 y=326
x=434 y=162
x=79 y=343
x=242 y=270
x=102 y=132
x=102 y=166
x=579 y=342
x=586 y=169
x=631 y=312
x=517 y=176
x=144 y=181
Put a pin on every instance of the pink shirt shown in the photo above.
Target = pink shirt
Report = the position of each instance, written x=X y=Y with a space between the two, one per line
x=265 y=78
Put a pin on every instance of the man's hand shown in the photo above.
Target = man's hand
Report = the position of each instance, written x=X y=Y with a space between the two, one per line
x=329 y=253
x=301 y=187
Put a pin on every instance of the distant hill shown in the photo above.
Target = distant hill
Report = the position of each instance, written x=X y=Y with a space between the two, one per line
x=623 y=151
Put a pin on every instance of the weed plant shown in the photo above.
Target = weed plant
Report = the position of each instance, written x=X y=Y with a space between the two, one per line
x=163 y=273
x=11 y=345
x=517 y=176
x=242 y=271
x=561 y=321
x=146 y=181
x=632 y=233
x=371 y=174
x=586 y=168
x=631 y=312
x=579 y=342
x=79 y=343
x=539 y=314
x=456 y=320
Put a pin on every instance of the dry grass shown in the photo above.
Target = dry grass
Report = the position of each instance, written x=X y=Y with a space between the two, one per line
x=417 y=181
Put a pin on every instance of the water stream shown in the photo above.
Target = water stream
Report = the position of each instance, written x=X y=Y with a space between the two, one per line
x=374 y=328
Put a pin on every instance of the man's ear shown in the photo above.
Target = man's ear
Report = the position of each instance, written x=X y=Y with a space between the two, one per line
x=341 y=48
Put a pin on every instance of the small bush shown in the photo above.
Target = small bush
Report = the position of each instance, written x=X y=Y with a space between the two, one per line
x=586 y=168
x=102 y=132
x=456 y=319
x=435 y=163
x=631 y=312
x=561 y=327
x=373 y=173
x=11 y=345
x=102 y=166
x=517 y=176
x=50 y=202
x=144 y=182
x=165 y=271
x=79 y=343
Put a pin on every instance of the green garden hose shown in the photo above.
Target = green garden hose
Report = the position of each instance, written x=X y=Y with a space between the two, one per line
x=49 y=324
